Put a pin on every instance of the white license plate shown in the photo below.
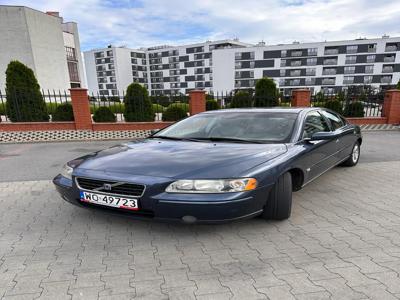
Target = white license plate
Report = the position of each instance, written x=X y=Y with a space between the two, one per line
x=108 y=200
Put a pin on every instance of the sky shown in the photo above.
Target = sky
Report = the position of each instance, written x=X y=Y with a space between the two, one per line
x=146 y=23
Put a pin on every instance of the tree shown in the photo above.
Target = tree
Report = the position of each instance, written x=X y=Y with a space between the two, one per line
x=24 y=100
x=266 y=94
x=241 y=99
x=138 y=107
x=398 y=85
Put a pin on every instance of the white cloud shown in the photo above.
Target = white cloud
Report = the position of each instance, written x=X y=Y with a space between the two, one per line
x=155 y=22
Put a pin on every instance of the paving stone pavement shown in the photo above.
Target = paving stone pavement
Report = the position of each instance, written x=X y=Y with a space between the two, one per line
x=342 y=242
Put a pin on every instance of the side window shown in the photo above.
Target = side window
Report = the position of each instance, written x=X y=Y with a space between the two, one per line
x=335 y=120
x=314 y=123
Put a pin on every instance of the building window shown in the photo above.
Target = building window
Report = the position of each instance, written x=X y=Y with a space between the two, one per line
x=99 y=54
x=238 y=55
x=368 y=79
x=391 y=47
x=310 y=71
x=387 y=68
x=297 y=53
x=348 y=79
x=372 y=48
x=70 y=53
x=389 y=58
x=351 y=59
x=331 y=51
x=352 y=49
x=312 y=51
x=349 y=69
x=295 y=63
x=386 y=79
x=329 y=71
x=371 y=58
x=282 y=72
x=109 y=53
x=311 y=61
x=310 y=80
x=369 y=69
x=283 y=53
x=73 y=71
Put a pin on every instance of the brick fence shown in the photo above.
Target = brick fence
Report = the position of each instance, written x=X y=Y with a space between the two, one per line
x=197 y=104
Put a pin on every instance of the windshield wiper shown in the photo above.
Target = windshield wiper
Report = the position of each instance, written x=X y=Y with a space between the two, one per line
x=226 y=139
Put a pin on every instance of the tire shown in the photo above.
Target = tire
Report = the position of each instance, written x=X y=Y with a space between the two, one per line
x=354 y=156
x=279 y=202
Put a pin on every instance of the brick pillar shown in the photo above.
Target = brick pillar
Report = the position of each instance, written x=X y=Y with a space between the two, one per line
x=301 y=98
x=81 y=108
x=391 y=106
x=197 y=102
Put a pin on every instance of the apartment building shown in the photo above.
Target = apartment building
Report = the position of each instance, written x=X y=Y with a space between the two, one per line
x=44 y=43
x=326 y=66
x=223 y=66
x=162 y=69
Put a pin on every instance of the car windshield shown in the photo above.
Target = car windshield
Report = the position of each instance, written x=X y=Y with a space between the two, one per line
x=257 y=127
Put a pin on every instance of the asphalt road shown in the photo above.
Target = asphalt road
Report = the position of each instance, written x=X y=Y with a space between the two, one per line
x=42 y=161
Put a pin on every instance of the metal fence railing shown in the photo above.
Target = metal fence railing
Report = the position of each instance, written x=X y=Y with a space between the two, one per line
x=355 y=101
x=30 y=105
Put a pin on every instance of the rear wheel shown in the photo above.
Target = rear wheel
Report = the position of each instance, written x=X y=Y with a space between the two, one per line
x=279 y=203
x=354 y=157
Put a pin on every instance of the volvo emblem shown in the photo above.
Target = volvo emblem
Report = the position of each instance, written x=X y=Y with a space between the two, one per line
x=107 y=187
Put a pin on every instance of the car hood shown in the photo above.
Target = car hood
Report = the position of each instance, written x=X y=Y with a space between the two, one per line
x=181 y=159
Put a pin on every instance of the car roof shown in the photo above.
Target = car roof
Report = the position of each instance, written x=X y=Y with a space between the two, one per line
x=294 y=110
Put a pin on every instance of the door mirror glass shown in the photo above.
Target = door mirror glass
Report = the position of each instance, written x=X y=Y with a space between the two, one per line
x=323 y=135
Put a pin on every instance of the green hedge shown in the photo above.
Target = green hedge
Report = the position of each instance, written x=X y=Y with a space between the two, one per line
x=183 y=106
x=158 y=108
x=212 y=105
x=174 y=113
x=104 y=114
x=2 y=108
x=334 y=105
x=354 y=109
x=63 y=112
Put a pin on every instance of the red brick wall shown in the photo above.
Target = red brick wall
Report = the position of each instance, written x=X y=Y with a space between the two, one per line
x=301 y=98
x=391 y=106
x=366 y=121
x=197 y=102
x=81 y=107
x=37 y=126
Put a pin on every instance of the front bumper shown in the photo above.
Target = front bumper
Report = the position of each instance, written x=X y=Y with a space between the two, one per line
x=198 y=208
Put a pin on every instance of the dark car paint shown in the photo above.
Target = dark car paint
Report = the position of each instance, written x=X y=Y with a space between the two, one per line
x=156 y=163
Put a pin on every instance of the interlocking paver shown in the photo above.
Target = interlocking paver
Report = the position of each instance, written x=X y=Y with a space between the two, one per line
x=338 y=244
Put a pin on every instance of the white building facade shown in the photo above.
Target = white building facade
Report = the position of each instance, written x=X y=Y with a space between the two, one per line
x=223 y=66
x=44 y=43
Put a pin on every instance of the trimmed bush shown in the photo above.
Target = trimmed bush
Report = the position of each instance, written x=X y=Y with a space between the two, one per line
x=114 y=99
x=266 y=94
x=174 y=113
x=157 y=108
x=334 y=105
x=212 y=105
x=241 y=99
x=354 y=109
x=137 y=104
x=104 y=114
x=24 y=100
x=3 y=108
x=162 y=100
x=63 y=112
x=184 y=106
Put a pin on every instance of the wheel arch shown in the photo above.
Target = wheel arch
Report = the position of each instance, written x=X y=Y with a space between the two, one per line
x=297 y=178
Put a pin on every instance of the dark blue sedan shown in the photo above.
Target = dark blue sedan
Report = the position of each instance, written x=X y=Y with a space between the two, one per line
x=215 y=166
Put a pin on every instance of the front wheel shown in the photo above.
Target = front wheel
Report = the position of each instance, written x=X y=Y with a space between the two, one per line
x=279 y=202
x=354 y=157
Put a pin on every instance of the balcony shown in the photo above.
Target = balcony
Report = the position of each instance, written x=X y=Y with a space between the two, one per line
x=389 y=59
x=295 y=73
x=391 y=48
x=387 y=69
x=294 y=82
x=331 y=51
x=283 y=63
x=297 y=53
x=330 y=61
x=329 y=72
x=328 y=81
x=350 y=61
x=310 y=72
x=312 y=52
x=348 y=81
x=310 y=81
x=295 y=63
x=371 y=59
x=386 y=79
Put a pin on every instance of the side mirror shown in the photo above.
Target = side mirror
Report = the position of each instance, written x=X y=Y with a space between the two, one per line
x=323 y=135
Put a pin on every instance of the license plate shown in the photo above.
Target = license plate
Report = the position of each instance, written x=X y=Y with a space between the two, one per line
x=108 y=200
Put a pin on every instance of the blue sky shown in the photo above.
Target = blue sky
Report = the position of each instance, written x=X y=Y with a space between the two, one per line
x=144 y=23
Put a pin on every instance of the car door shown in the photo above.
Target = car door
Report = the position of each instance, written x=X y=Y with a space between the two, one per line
x=345 y=140
x=319 y=156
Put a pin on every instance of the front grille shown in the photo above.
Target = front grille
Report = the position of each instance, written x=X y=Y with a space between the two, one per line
x=114 y=187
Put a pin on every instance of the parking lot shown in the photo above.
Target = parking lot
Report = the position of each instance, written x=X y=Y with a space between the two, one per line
x=342 y=241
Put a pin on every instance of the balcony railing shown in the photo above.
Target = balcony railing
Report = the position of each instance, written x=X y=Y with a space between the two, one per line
x=331 y=51
x=386 y=79
x=391 y=48
x=295 y=73
x=329 y=72
x=295 y=63
x=387 y=70
x=388 y=59
x=330 y=62
x=297 y=53
x=328 y=81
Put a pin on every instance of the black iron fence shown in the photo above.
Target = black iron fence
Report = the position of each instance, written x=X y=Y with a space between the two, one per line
x=355 y=101
x=33 y=106
x=30 y=105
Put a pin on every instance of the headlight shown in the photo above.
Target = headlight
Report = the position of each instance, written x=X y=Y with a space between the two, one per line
x=212 y=186
x=67 y=171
